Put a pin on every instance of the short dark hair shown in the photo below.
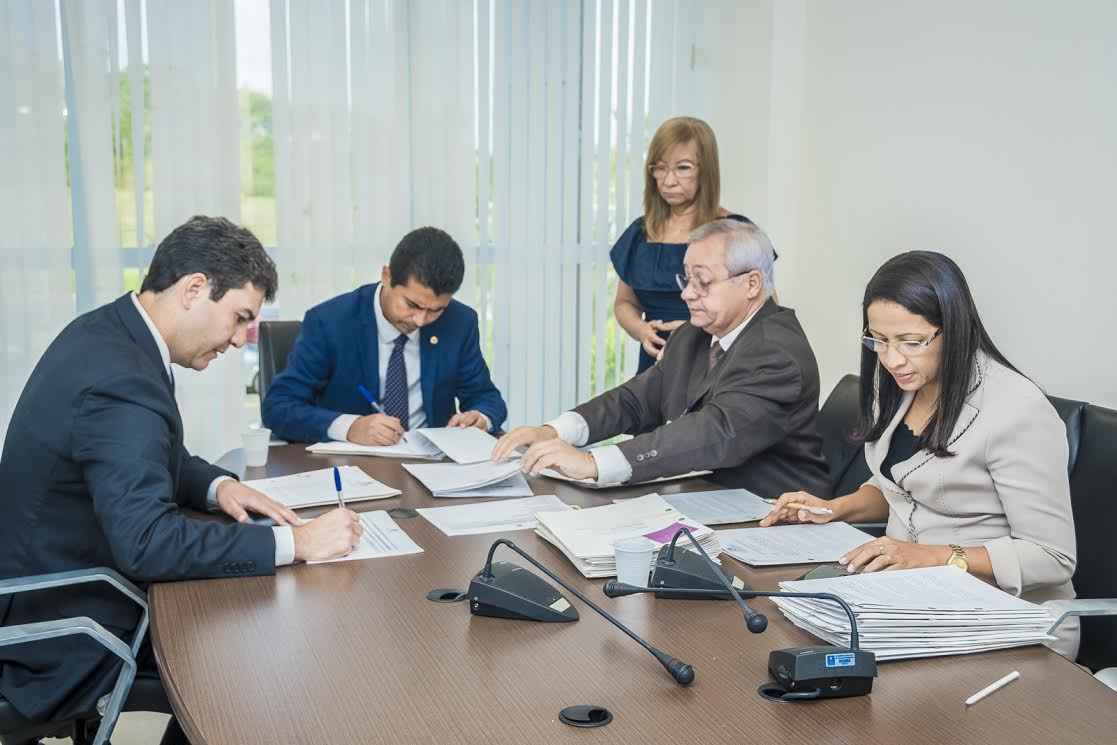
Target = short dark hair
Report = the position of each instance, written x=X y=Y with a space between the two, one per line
x=932 y=286
x=229 y=255
x=431 y=257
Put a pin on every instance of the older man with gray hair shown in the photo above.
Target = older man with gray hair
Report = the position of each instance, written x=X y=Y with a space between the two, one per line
x=735 y=390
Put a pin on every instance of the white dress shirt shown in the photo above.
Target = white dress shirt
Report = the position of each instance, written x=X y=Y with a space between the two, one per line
x=386 y=335
x=612 y=466
x=284 y=537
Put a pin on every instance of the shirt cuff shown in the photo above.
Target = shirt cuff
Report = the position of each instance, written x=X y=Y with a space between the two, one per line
x=572 y=429
x=339 y=428
x=488 y=422
x=211 y=494
x=284 y=545
x=612 y=466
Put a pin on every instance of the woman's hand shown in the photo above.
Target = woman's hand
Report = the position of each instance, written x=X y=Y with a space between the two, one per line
x=888 y=553
x=650 y=339
x=789 y=509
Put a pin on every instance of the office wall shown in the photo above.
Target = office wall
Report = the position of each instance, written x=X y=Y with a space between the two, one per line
x=986 y=130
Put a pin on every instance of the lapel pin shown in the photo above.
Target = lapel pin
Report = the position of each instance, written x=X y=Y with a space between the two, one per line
x=434 y=340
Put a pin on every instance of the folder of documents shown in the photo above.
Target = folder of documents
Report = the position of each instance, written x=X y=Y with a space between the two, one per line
x=459 y=444
x=720 y=506
x=792 y=544
x=492 y=517
x=928 y=612
x=381 y=537
x=316 y=488
x=486 y=479
x=586 y=537
x=592 y=483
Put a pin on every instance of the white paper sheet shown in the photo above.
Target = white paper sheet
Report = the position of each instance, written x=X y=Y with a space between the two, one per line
x=472 y=479
x=792 y=544
x=592 y=484
x=315 y=488
x=492 y=517
x=403 y=449
x=382 y=537
x=720 y=506
x=459 y=444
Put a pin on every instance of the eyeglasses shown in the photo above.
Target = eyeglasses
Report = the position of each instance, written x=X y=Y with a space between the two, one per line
x=684 y=171
x=701 y=286
x=906 y=347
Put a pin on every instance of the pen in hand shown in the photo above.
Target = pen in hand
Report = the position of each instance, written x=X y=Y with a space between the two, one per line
x=371 y=401
x=337 y=485
x=807 y=507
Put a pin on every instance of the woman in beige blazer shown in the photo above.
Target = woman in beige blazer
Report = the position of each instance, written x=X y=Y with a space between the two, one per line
x=968 y=458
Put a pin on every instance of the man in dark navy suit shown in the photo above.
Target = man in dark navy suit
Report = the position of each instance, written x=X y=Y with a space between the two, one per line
x=94 y=471
x=404 y=340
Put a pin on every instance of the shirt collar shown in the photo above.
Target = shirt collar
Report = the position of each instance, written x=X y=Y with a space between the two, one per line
x=727 y=340
x=164 y=350
x=386 y=332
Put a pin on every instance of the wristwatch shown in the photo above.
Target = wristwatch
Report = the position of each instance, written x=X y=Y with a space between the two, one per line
x=958 y=558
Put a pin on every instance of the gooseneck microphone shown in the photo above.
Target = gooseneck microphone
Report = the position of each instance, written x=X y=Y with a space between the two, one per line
x=754 y=620
x=679 y=670
x=614 y=589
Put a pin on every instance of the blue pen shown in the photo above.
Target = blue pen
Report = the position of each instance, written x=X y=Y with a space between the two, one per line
x=371 y=401
x=337 y=485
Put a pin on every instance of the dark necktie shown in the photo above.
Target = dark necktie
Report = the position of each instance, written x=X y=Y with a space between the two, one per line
x=716 y=353
x=395 y=384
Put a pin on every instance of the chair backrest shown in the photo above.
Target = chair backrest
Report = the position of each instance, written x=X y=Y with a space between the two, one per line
x=277 y=339
x=836 y=418
x=1093 y=491
x=1071 y=414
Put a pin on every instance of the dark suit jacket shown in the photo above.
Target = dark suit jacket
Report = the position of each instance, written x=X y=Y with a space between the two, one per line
x=338 y=348
x=93 y=473
x=751 y=419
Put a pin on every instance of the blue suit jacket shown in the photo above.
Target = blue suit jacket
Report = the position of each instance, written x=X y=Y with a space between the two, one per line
x=94 y=473
x=338 y=348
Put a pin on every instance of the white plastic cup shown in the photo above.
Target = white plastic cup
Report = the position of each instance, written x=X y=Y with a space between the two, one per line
x=634 y=560
x=255 y=443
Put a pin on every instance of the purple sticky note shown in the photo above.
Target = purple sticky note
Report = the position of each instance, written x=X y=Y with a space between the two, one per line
x=664 y=535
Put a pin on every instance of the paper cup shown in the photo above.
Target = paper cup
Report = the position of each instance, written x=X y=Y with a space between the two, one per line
x=634 y=560
x=255 y=443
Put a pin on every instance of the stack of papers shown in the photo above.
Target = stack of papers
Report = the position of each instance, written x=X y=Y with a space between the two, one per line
x=592 y=483
x=459 y=444
x=720 y=506
x=492 y=517
x=486 y=479
x=316 y=488
x=792 y=544
x=381 y=537
x=586 y=537
x=918 y=613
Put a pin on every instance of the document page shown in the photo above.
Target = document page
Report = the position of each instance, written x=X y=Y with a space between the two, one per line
x=406 y=448
x=460 y=444
x=592 y=484
x=792 y=544
x=492 y=517
x=315 y=488
x=720 y=506
x=382 y=537
x=450 y=479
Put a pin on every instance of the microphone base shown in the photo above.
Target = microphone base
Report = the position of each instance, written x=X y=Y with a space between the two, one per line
x=514 y=592
x=689 y=571
x=832 y=672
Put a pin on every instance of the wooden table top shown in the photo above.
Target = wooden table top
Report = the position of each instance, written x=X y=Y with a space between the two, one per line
x=353 y=652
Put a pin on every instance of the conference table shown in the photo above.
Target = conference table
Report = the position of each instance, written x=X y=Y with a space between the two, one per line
x=354 y=652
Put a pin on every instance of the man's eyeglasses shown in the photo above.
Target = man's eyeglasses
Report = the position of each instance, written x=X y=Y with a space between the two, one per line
x=701 y=286
x=908 y=348
x=684 y=171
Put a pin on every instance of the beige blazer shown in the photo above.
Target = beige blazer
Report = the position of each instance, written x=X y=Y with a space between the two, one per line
x=1006 y=488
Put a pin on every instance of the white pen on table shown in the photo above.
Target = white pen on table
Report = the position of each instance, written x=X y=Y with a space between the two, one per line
x=807 y=507
x=992 y=687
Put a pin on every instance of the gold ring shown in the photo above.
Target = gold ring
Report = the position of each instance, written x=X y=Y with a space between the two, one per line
x=881 y=547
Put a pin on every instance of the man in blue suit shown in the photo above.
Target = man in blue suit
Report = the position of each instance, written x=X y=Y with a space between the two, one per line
x=370 y=364
x=94 y=471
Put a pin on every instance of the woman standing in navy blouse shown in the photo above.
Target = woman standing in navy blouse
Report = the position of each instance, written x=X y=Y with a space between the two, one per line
x=682 y=186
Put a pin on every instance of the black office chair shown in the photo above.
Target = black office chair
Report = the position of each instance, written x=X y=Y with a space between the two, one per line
x=277 y=339
x=131 y=692
x=836 y=418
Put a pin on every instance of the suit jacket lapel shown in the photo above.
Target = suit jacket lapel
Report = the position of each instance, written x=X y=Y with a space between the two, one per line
x=702 y=377
x=369 y=342
x=141 y=335
x=428 y=369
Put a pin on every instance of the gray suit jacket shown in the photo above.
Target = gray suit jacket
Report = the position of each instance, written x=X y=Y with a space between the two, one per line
x=1005 y=488
x=751 y=419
